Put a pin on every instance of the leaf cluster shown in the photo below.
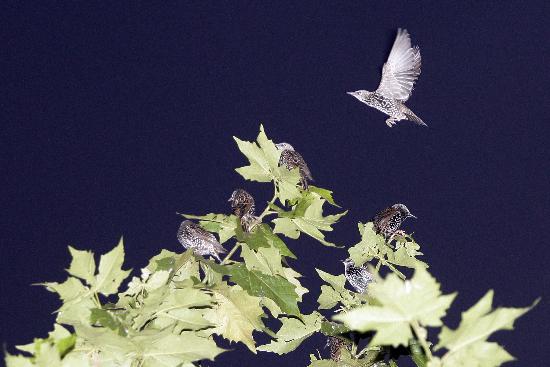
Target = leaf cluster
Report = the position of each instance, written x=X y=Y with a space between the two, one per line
x=181 y=306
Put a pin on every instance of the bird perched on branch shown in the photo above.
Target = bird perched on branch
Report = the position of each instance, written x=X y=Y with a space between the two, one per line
x=358 y=276
x=388 y=221
x=292 y=159
x=191 y=235
x=398 y=77
x=242 y=204
x=336 y=345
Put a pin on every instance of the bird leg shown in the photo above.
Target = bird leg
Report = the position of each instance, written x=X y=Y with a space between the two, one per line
x=391 y=121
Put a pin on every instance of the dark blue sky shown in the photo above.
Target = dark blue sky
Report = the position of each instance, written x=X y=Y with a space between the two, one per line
x=116 y=117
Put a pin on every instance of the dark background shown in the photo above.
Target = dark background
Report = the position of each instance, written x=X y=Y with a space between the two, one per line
x=115 y=117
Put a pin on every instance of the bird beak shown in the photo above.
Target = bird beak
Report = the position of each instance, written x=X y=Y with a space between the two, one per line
x=351 y=93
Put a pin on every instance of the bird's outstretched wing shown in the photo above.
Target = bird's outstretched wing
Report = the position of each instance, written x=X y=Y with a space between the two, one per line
x=402 y=68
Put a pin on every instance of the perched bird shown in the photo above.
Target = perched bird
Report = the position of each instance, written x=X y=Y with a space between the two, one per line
x=336 y=345
x=191 y=235
x=242 y=204
x=398 y=77
x=388 y=221
x=292 y=159
x=358 y=276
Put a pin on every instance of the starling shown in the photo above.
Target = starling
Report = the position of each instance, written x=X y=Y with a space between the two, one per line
x=358 y=276
x=336 y=345
x=242 y=204
x=192 y=235
x=398 y=76
x=388 y=221
x=292 y=159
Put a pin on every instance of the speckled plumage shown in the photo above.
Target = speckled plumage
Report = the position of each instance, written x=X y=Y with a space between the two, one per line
x=388 y=221
x=242 y=203
x=358 y=276
x=399 y=74
x=336 y=345
x=191 y=235
x=243 y=207
x=290 y=158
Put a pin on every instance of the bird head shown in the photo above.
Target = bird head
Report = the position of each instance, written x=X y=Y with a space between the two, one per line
x=284 y=146
x=186 y=223
x=361 y=94
x=403 y=210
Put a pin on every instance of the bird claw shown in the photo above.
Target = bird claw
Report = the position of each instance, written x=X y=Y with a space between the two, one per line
x=390 y=122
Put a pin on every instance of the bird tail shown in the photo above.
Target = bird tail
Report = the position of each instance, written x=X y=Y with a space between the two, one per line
x=412 y=117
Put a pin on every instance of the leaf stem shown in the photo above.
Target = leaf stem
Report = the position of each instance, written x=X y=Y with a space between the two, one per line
x=266 y=210
x=237 y=245
x=419 y=335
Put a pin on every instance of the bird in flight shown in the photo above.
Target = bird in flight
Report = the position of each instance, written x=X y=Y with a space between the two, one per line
x=398 y=77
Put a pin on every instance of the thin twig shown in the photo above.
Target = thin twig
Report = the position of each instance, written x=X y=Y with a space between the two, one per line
x=419 y=335
x=237 y=245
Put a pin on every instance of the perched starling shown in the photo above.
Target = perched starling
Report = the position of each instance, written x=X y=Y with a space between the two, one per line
x=388 y=221
x=192 y=235
x=242 y=204
x=398 y=76
x=292 y=159
x=336 y=345
x=358 y=276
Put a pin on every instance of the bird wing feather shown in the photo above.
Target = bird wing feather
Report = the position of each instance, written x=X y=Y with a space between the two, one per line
x=208 y=237
x=401 y=70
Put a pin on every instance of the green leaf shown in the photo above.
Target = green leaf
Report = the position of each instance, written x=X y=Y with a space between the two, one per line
x=263 y=236
x=307 y=217
x=184 y=309
x=293 y=332
x=224 y=225
x=264 y=166
x=324 y=193
x=258 y=284
x=263 y=158
x=172 y=350
x=110 y=274
x=82 y=265
x=399 y=304
x=236 y=315
x=480 y=354
x=17 y=361
x=335 y=293
x=265 y=260
x=106 y=319
x=373 y=246
x=468 y=341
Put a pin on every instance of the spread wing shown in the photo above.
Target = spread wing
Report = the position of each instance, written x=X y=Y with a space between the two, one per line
x=402 y=68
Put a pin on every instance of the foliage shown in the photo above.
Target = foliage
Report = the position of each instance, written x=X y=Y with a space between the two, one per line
x=178 y=309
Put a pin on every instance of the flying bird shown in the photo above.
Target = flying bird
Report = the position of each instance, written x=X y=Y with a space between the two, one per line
x=388 y=221
x=398 y=77
x=358 y=276
x=191 y=235
x=290 y=158
x=242 y=204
